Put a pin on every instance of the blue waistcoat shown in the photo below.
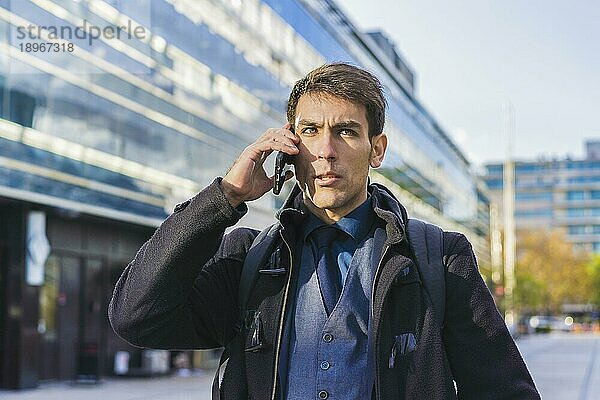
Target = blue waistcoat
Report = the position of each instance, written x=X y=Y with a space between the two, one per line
x=334 y=355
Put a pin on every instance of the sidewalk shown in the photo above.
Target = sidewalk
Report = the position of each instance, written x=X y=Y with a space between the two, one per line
x=195 y=387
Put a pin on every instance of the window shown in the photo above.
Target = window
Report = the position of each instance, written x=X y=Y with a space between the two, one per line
x=532 y=196
x=596 y=229
x=584 y=179
x=580 y=247
x=583 y=165
x=575 y=212
x=595 y=194
x=49 y=293
x=539 y=212
x=494 y=169
x=575 y=195
x=577 y=229
x=527 y=181
x=494 y=183
x=520 y=168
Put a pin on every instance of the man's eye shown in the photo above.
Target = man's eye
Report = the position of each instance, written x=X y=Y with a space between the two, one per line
x=309 y=131
x=347 y=132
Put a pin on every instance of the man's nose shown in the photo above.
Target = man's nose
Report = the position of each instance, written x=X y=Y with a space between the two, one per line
x=326 y=149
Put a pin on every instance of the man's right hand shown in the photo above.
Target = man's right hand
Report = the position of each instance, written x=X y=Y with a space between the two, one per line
x=247 y=180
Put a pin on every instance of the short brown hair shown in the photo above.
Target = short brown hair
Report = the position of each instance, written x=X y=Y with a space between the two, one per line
x=347 y=82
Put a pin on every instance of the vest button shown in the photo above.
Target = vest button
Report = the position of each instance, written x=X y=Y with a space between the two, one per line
x=323 y=394
x=328 y=337
x=325 y=365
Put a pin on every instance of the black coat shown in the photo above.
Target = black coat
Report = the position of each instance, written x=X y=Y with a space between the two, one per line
x=181 y=292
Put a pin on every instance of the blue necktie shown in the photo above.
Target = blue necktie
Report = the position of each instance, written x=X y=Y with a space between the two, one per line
x=328 y=271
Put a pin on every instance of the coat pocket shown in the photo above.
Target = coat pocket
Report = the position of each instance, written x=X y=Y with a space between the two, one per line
x=407 y=274
x=402 y=347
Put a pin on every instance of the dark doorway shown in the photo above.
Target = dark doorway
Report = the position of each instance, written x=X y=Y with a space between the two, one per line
x=93 y=319
x=2 y=311
x=71 y=315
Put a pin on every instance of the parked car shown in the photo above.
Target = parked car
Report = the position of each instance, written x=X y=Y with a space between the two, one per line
x=549 y=323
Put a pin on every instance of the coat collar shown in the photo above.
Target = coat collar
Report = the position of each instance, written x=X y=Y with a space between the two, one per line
x=385 y=205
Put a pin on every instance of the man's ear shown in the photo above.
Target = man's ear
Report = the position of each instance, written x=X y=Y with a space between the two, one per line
x=378 y=146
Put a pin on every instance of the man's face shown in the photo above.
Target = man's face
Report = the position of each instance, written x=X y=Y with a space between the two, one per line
x=335 y=153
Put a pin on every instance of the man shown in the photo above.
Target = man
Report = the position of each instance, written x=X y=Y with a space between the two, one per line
x=340 y=311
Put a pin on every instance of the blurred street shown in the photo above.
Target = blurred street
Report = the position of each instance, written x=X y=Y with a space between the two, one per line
x=195 y=387
x=564 y=366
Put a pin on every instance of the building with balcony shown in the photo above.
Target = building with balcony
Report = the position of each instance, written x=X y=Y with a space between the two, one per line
x=113 y=111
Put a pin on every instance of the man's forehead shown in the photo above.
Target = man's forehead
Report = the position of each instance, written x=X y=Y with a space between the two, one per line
x=318 y=108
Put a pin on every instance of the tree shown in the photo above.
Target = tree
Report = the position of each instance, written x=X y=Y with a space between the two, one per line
x=550 y=273
x=593 y=270
x=530 y=293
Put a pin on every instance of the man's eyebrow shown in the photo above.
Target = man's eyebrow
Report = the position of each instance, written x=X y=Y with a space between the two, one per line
x=309 y=122
x=348 y=124
x=342 y=124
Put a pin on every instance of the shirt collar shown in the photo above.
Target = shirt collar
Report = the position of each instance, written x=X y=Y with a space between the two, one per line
x=356 y=224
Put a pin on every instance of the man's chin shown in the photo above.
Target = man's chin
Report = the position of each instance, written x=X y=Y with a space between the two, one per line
x=326 y=201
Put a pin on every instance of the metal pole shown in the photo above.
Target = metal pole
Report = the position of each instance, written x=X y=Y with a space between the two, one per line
x=496 y=244
x=509 y=217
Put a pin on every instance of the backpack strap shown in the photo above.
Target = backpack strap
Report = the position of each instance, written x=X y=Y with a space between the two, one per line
x=255 y=257
x=427 y=243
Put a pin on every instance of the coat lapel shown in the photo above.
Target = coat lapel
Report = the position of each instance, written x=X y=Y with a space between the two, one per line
x=398 y=298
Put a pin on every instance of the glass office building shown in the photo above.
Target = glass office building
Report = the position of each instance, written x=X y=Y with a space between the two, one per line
x=114 y=111
x=556 y=194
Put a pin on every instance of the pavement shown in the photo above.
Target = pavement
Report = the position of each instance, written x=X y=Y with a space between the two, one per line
x=563 y=366
x=194 y=387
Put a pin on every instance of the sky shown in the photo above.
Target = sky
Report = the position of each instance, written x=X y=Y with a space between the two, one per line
x=471 y=56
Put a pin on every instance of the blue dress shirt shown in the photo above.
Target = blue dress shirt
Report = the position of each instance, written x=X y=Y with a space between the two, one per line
x=356 y=225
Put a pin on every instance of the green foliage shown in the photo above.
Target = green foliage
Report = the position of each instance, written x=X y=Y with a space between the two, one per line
x=530 y=293
x=549 y=273
x=593 y=271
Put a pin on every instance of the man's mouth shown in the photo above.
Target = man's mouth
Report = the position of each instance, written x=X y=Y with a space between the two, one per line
x=327 y=179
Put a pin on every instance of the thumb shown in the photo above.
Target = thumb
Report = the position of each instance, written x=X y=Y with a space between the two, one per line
x=289 y=174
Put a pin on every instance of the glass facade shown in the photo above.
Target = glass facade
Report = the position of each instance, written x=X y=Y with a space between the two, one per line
x=138 y=123
x=113 y=111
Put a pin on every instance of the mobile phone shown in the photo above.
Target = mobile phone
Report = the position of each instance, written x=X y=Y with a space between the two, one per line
x=281 y=159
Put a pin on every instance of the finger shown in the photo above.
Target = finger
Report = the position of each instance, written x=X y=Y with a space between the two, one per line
x=292 y=136
x=262 y=159
x=284 y=131
x=268 y=147
x=285 y=139
x=290 y=133
x=278 y=144
x=272 y=179
x=279 y=135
